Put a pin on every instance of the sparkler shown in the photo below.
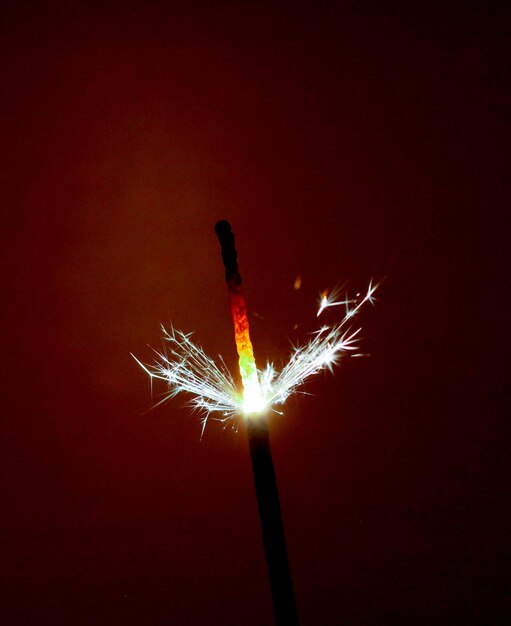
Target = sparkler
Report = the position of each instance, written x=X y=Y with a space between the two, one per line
x=274 y=540
x=185 y=367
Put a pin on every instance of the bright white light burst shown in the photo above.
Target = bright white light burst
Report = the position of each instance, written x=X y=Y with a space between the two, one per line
x=185 y=367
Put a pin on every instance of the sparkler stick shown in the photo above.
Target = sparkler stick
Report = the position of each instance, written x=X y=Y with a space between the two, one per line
x=284 y=605
x=186 y=368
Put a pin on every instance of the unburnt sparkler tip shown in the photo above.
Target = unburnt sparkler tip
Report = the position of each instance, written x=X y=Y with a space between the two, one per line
x=222 y=226
x=225 y=235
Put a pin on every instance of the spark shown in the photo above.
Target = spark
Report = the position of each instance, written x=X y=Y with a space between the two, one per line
x=328 y=299
x=186 y=368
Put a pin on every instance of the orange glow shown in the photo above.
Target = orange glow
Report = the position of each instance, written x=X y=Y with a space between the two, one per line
x=252 y=398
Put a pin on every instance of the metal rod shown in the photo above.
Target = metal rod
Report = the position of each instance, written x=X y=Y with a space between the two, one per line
x=284 y=604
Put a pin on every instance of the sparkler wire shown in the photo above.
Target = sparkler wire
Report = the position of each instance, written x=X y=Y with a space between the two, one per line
x=272 y=527
x=185 y=367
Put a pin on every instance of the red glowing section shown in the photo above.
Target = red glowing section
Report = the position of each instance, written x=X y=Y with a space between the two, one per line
x=252 y=399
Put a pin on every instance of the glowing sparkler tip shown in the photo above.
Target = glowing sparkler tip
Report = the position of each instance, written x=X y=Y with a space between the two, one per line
x=253 y=406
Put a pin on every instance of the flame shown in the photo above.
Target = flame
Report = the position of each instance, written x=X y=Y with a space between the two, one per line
x=253 y=401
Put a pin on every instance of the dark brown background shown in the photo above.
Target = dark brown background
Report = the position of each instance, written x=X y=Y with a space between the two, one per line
x=342 y=143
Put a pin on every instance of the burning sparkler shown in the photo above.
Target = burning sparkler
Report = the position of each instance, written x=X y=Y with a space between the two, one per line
x=185 y=367
x=253 y=401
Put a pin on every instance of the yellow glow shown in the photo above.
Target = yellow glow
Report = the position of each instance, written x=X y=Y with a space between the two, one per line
x=253 y=402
